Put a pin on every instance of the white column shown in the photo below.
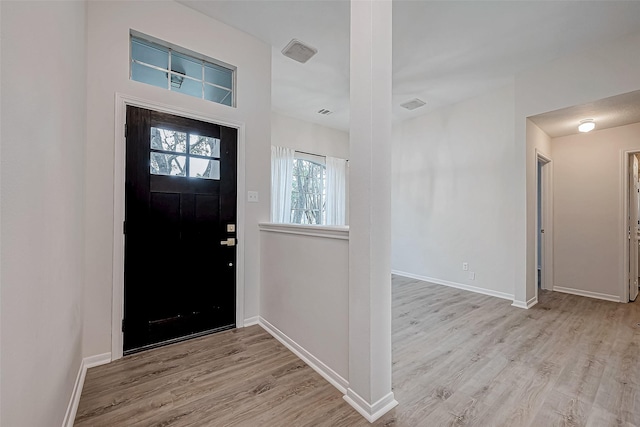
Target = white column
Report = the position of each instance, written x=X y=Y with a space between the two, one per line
x=370 y=210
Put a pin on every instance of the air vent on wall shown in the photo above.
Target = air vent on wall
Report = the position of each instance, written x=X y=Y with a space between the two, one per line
x=299 y=51
x=413 y=104
x=324 y=112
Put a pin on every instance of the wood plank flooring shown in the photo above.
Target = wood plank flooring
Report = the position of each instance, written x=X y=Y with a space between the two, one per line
x=459 y=359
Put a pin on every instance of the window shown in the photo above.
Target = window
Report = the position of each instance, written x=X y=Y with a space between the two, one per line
x=180 y=70
x=308 y=194
x=307 y=188
x=184 y=154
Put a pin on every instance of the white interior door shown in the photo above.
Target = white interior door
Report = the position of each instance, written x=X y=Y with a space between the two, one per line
x=544 y=252
x=633 y=227
x=541 y=225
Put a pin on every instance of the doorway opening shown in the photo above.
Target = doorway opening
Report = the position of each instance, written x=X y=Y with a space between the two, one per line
x=544 y=226
x=632 y=218
x=179 y=230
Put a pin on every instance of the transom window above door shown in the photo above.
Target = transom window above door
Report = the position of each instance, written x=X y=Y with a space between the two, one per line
x=179 y=70
x=184 y=154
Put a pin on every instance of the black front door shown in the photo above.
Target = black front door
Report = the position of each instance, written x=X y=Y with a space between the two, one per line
x=180 y=228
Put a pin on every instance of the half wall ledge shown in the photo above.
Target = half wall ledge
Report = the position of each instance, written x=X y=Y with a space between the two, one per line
x=327 y=231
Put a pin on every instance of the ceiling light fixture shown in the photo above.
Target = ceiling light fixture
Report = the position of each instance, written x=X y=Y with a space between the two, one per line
x=586 y=125
x=299 y=51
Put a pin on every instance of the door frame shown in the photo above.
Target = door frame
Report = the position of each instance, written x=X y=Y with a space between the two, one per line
x=122 y=101
x=547 y=220
x=624 y=223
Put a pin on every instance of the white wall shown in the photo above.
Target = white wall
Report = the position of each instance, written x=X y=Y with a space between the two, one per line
x=421 y=206
x=108 y=71
x=305 y=292
x=587 y=214
x=451 y=195
x=310 y=137
x=42 y=175
x=538 y=139
x=602 y=71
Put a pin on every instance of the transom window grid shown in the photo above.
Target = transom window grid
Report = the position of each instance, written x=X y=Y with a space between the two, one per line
x=308 y=195
x=181 y=71
x=183 y=154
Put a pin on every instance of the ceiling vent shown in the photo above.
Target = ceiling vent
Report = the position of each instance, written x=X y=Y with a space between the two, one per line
x=324 y=112
x=299 y=51
x=413 y=104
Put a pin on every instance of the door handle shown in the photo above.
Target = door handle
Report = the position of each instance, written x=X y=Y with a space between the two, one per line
x=231 y=241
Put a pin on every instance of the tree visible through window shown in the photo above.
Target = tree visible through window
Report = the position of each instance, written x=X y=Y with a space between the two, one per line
x=308 y=194
x=183 y=154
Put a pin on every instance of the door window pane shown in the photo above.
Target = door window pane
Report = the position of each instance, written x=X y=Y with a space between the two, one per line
x=167 y=164
x=169 y=154
x=203 y=168
x=168 y=140
x=204 y=146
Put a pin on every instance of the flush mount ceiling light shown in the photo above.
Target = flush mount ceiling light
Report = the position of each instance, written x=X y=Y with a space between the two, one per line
x=299 y=51
x=586 y=125
x=413 y=104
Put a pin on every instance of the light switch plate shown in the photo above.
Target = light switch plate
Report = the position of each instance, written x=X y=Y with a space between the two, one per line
x=252 y=196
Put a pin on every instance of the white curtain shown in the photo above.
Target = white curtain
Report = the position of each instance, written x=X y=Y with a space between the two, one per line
x=281 y=183
x=336 y=188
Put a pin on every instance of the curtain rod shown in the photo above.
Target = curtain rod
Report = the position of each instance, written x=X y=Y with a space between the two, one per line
x=314 y=154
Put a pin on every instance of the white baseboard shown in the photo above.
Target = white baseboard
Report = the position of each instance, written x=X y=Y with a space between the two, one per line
x=86 y=363
x=597 y=295
x=456 y=285
x=251 y=321
x=316 y=364
x=526 y=305
x=370 y=412
x=97 y=360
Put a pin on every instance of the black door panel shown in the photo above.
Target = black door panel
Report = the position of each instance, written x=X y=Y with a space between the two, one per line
x=179 y=279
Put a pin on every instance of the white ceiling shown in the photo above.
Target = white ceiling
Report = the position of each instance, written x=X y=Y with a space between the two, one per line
x=443 y=51
x=607 y=113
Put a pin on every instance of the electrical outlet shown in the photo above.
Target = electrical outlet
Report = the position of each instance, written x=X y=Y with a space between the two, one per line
x=252 y=196
x=472 y=275
x=465 y=266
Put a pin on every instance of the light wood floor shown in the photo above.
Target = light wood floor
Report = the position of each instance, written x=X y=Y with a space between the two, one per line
x=459 y=359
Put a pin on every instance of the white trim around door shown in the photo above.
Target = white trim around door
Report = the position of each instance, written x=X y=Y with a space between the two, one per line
x=623 y=238
x=547 y=221
x=121 y=103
